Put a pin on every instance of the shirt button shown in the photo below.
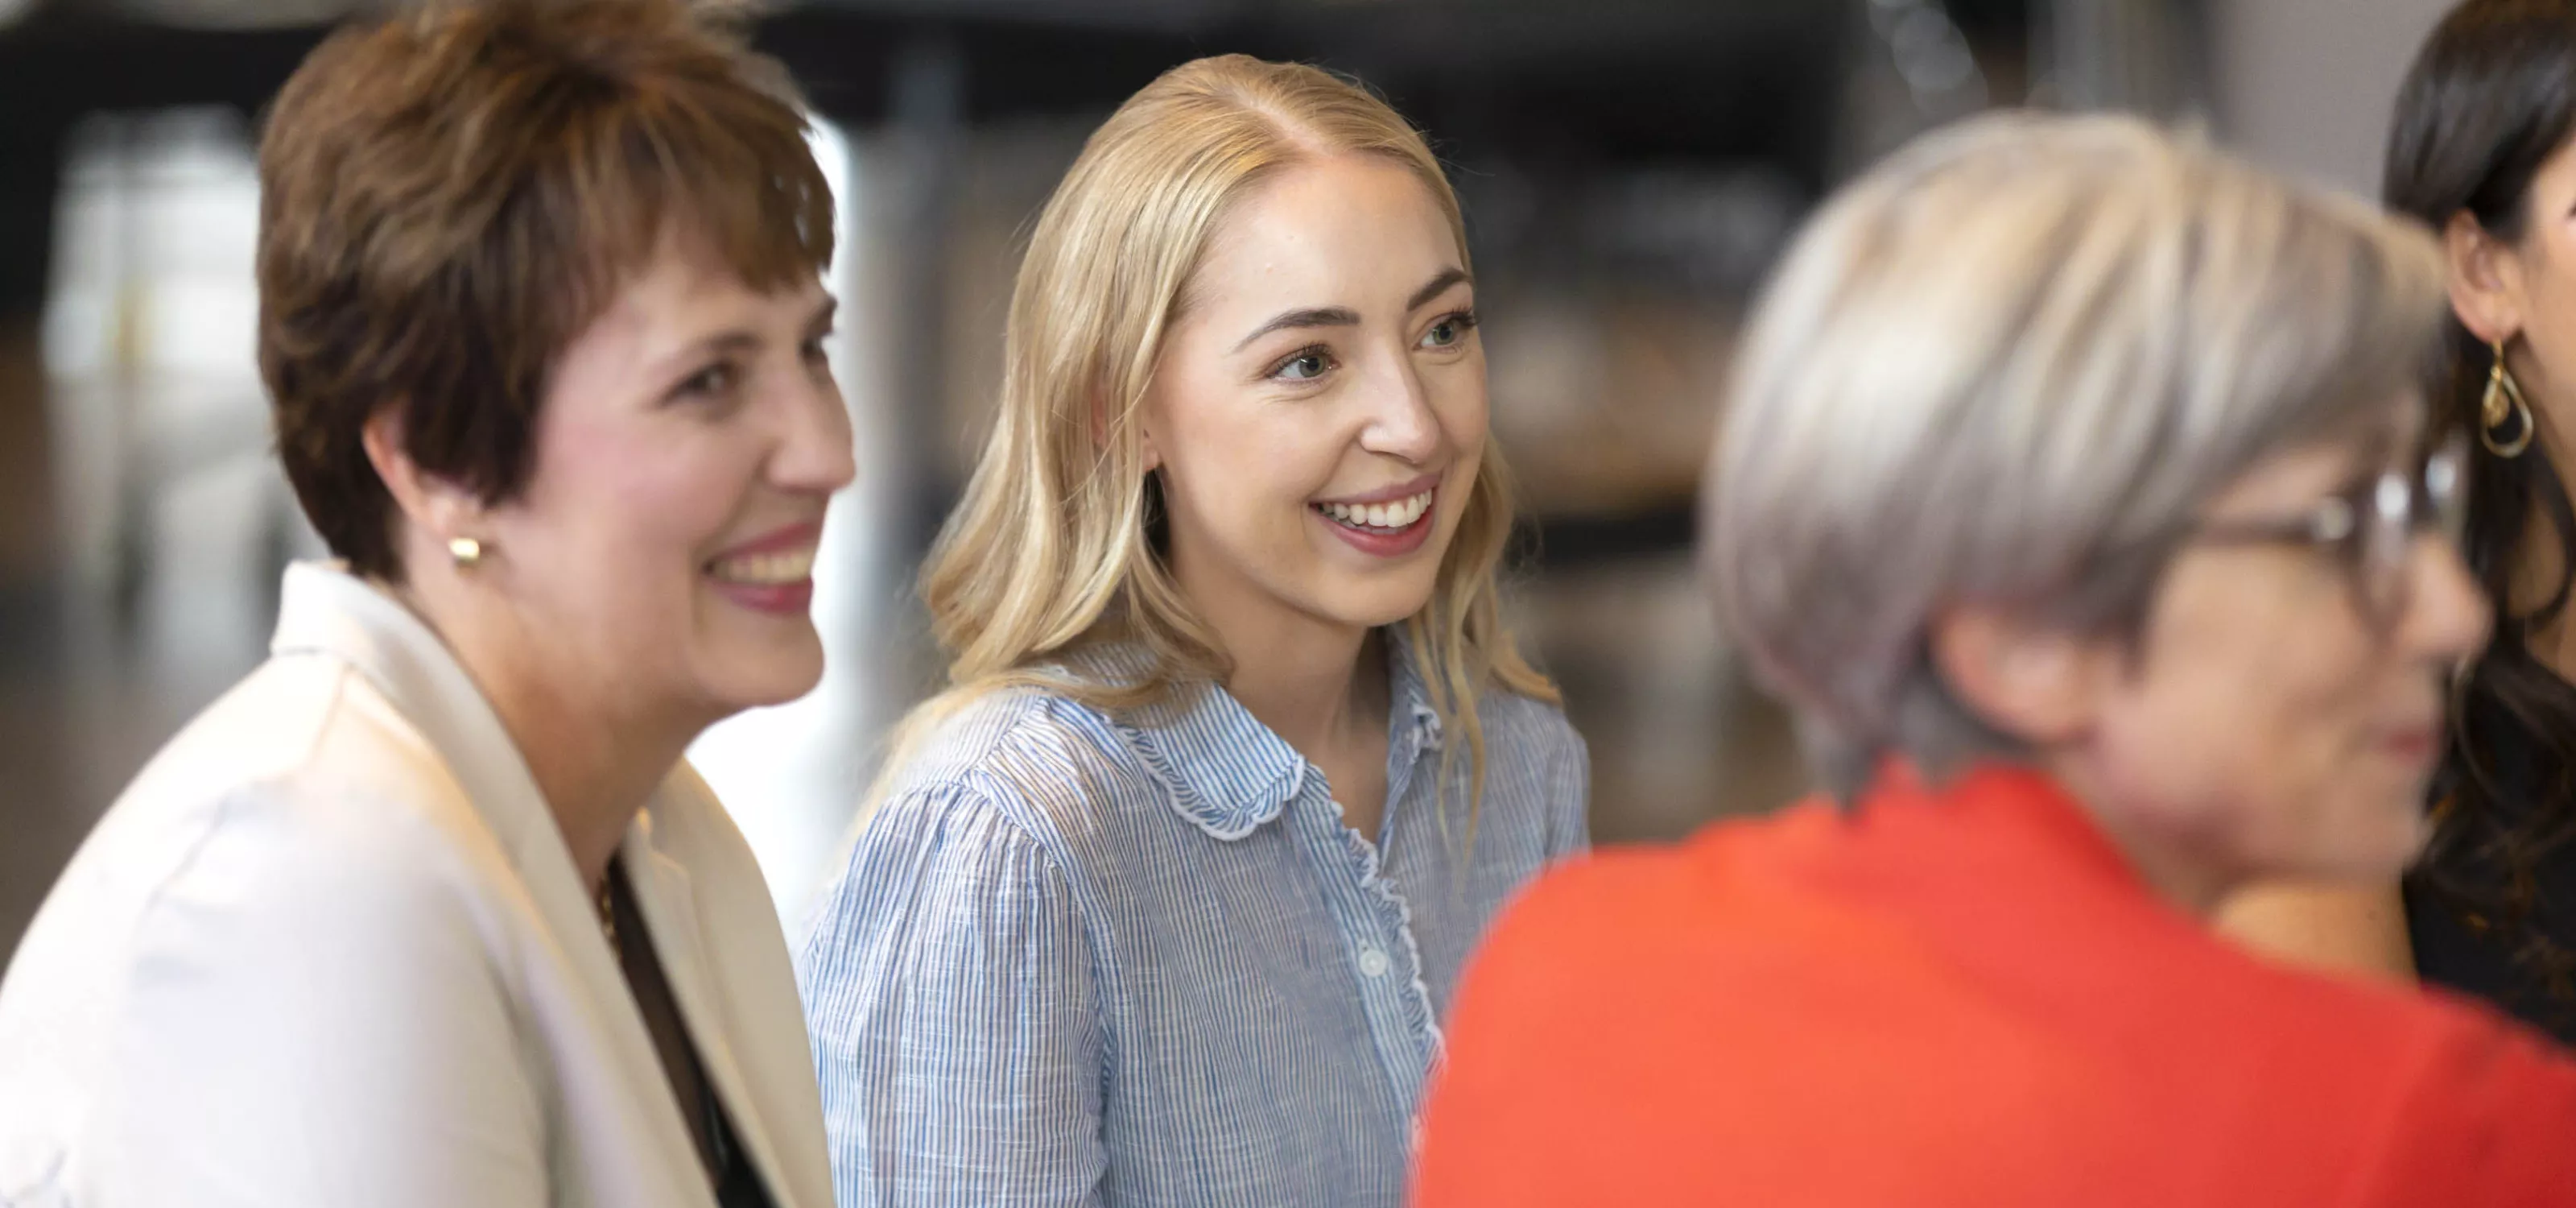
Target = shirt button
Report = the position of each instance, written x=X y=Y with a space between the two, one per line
x=1372 y=962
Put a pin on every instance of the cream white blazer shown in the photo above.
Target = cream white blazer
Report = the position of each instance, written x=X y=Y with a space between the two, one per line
x=330 y=949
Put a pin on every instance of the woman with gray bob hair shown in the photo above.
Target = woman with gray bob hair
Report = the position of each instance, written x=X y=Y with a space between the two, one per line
x=2076 y=494
x=2140 y=324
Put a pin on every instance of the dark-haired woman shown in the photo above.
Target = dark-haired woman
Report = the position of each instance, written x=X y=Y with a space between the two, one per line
x=2483 y=149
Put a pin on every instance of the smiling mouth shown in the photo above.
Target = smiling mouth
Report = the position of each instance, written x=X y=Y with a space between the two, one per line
x=1394 y=516
x=779 y=569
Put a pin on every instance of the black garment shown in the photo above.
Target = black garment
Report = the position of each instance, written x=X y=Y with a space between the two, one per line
x=729 y=1168
x=2449 y=952
x=739 y=1185
x=2475 y=955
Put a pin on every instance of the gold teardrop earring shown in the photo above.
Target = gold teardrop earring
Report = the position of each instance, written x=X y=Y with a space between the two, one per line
x=466 y=551
x=2503 y=402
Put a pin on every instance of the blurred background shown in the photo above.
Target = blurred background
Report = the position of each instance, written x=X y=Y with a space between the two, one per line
x=1629 y=168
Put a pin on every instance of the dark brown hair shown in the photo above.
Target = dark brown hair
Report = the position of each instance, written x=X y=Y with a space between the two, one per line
x=2491 y=97
x=450 y=197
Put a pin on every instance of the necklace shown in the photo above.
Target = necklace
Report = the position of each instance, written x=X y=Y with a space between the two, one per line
x=608 y=909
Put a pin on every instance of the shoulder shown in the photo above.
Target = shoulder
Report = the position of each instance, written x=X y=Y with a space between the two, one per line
x=1527 y=719
x=1530 y=739
x=1580 y=936
x=1636 y=930
x=259 y=859
x=1615 y=885
x=340 y=816
x=297 y=808
x=986 y=783
x=1044 y=764
x=1576 y=1013
x=301 y=772
x=2482 y=1106
x=960 y=857
x=280 y=724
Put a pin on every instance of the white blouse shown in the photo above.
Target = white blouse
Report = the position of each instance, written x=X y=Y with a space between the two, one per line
x=329 y=948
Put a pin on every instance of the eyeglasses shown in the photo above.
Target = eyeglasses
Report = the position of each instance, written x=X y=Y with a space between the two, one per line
x=2370 y=530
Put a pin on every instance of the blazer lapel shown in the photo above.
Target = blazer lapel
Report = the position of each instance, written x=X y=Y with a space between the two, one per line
x=669 y=903
x=329 y=612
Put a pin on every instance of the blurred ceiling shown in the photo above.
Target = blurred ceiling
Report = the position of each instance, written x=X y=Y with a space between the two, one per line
x=1670 y=64
x=1168 y=16
x=1555 y=88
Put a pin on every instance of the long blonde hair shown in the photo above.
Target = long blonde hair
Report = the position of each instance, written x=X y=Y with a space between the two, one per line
x=1052 y=547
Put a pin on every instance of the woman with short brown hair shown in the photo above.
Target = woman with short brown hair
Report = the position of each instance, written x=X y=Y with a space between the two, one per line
x=429 y=909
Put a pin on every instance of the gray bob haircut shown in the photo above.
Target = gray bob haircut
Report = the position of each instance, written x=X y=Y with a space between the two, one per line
x=2008 y=366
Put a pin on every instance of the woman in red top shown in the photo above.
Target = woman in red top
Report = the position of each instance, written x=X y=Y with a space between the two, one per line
x=2074 y=493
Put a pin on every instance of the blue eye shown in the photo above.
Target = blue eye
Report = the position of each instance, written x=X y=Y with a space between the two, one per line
x=1449 y=331
x=1305 y=366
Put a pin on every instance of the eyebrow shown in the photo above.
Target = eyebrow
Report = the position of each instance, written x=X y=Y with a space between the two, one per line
x=1343 y=316
x=1438 y=285
x=1325 y=316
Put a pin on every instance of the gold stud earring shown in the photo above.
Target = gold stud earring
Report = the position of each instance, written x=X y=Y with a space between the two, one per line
x=2502 y=408
x=466 y=551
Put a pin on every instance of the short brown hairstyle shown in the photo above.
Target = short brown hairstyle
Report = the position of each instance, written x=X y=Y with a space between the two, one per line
x=451 y=196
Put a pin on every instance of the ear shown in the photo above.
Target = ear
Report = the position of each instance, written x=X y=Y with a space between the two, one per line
x=2039 y=684
x=2486 y=280
x=1143 y=418
x=1146 y=425
x=438 y=508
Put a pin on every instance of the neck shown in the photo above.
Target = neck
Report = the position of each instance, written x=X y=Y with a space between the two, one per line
x=1315 y=683
x=2539 y=565
x=2538 y=562
x=596 y=757
x=2182 y=876
x=1314 y=688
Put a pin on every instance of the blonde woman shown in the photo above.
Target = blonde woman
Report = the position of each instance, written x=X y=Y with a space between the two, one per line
x=1163 y=901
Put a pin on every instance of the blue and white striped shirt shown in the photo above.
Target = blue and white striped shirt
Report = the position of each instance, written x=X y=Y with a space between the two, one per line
x=1083 y=959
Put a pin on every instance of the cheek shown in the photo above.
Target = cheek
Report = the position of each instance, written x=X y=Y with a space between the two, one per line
x=1236 y=474
x=636 y=502
x=1458 y=399
x=2247 y=715
x=2551 y=326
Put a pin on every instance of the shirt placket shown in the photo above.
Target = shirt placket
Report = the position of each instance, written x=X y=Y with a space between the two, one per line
x=1377 y=940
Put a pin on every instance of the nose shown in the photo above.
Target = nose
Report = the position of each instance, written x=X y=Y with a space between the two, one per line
x=2447 y=613
x=814 y=454
x=1401 y=423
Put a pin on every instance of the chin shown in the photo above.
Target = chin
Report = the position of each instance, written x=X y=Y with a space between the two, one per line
x=1368 y=606
x=2372 y=849
x=757 y=679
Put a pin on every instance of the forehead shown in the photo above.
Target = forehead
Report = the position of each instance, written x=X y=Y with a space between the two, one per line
x=2300 y=475
x=685 y=278
x=2557 y=174
x=1348 y=230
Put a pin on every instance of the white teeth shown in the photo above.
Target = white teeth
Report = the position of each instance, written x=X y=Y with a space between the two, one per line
x=767 y=570
x=1400 y=514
